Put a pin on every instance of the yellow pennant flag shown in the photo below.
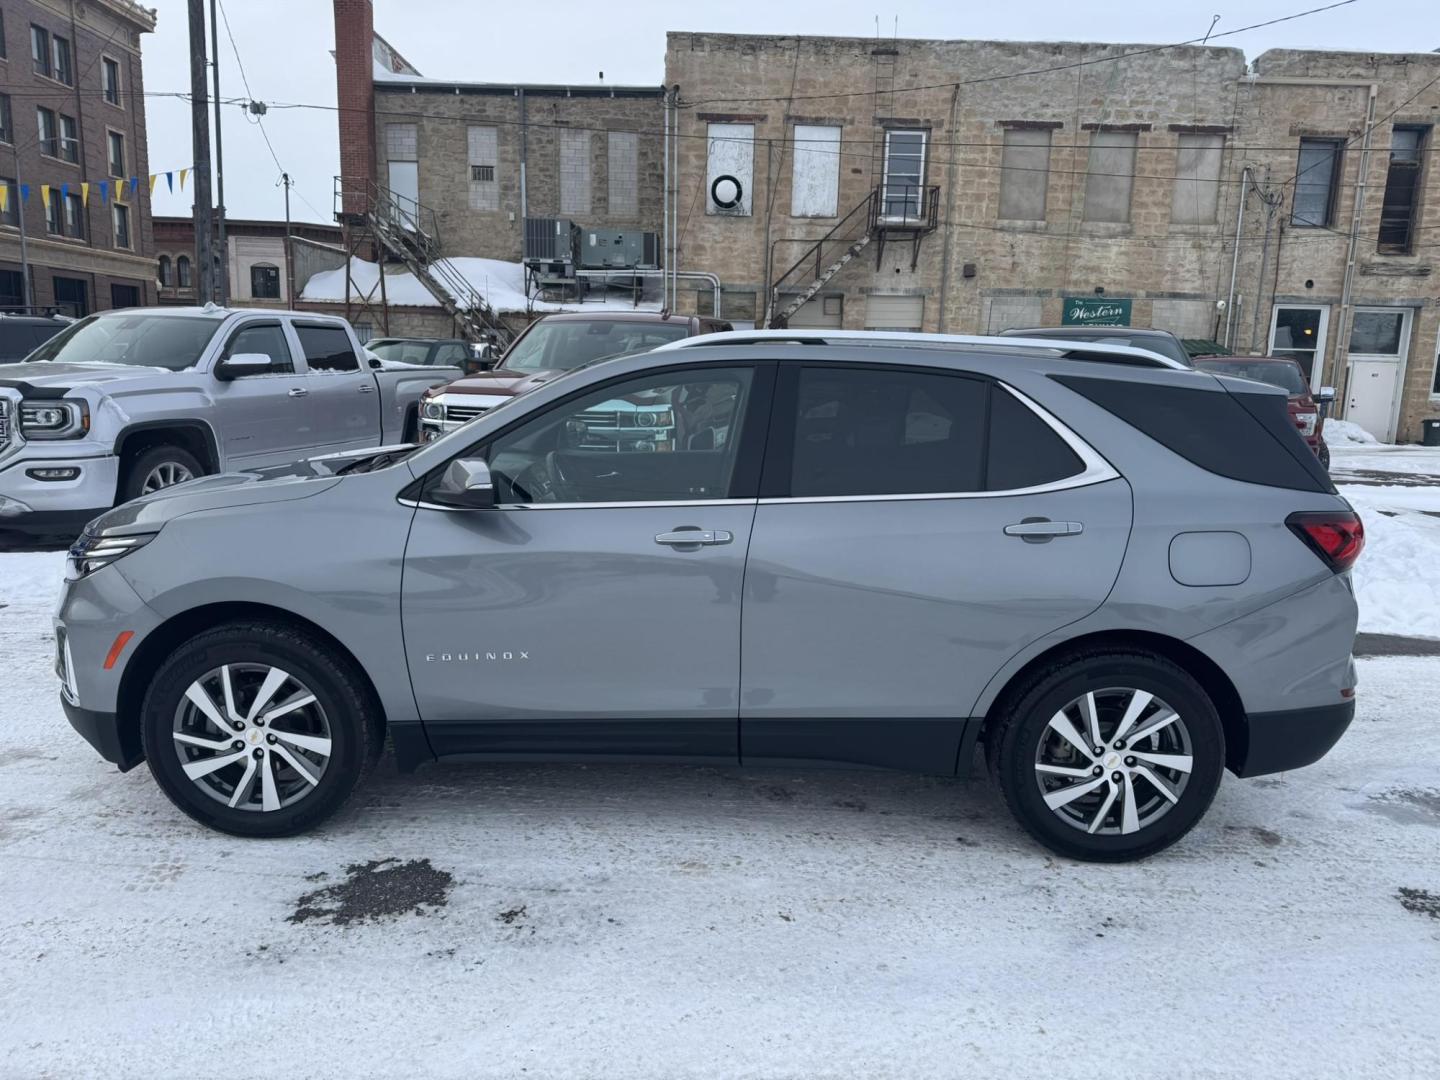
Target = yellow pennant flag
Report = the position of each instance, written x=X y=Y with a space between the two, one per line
x=153 y=178
x=45 y=195
x=4 y=198
x=183 y=173
x=84 y=193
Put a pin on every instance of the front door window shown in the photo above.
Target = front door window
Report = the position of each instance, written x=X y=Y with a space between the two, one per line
x=1299 y=333
x=904 y=175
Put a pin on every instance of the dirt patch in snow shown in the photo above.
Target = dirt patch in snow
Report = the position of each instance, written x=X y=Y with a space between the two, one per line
x=1420 y=901
x=376 y=890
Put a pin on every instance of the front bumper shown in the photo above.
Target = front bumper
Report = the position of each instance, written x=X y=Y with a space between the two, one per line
x=1274 y=742
x=102 y=730
x=37 y=506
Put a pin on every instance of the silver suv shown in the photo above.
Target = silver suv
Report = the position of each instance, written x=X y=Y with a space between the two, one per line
x=1118 y=575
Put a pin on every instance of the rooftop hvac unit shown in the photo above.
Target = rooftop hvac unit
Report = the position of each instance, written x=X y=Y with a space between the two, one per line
x=619 y=249
x=550 y=240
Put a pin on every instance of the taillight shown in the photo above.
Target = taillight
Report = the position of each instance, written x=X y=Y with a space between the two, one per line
x=1305 y=421
x=1337 y=536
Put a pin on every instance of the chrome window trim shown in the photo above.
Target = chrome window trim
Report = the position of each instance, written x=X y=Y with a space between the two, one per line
x=420 y=504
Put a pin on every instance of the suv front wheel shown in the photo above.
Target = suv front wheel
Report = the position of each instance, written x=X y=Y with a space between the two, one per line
x=1108 y=756
x=256 y=729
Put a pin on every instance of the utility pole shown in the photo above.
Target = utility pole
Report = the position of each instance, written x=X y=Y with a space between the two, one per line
x=223 y=280
x=289 y=258
x=27 y=291
x=200 y=140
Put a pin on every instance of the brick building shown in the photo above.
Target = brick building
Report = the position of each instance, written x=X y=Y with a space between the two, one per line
x=261 y=271
x=72 y=113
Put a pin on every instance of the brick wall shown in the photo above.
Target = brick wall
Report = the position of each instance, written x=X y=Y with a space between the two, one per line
x=354 y=96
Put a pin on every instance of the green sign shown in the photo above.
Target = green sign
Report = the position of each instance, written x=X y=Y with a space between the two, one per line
x=1095 y=311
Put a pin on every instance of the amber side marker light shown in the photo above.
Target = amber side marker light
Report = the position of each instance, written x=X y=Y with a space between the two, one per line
x=121 y=640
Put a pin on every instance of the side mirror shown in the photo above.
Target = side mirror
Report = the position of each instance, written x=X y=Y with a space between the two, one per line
x=376 y=363
x=465 y=485
x=1325 y=393
x=241 y=364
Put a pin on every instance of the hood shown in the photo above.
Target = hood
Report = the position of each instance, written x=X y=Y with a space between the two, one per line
x=47 y=375
x=499 y=382
x=280 y=484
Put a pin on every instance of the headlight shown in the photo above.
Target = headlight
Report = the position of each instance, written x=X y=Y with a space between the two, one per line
x=432 y=410
x=1305 y=421
x=91 y=553
x=54 y=419
x=654 y=418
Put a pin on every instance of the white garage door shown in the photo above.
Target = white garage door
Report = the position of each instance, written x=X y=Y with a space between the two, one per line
x=821 y=313
x=894 y=312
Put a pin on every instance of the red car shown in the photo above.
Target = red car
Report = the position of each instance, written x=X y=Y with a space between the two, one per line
x=1287 y=375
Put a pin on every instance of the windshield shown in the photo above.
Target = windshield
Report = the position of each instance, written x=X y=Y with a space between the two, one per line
x=556 y=345
x=408 y=352
x=1282 y=373
x=167 y=341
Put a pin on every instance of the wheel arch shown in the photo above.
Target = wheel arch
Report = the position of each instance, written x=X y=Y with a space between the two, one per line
x=1200 y=667
x=163 y=640
x=195 y=436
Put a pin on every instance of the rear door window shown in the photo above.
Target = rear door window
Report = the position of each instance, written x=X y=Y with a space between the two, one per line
x=327 y=348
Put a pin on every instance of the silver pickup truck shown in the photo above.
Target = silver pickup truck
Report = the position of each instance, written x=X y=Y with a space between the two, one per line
x=128 y=402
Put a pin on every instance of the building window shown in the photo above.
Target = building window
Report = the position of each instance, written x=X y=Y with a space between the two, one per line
x=40 y=50
x=64 y=65
x=182 y=272
x=815 y=176
x=575 y=172
x=74 y=217
x=622 y=165
x=1110 y=176
x=1402 y=191
x=729 y=162
x=69 y=139
x=110 y=79
x=49 y=132
x=116 y=142
x=12 y=289
x=7 y=132
x=162 y=271
x=55 y=214
x=483 y=146
x=1317 y=174
x=10 y=215
x=903 y=195
x=123 y=296
x=72 y=296
x=121 y=213
x=1024 y=174
x=4 y=50
x=1196 y=199
x=264 y=282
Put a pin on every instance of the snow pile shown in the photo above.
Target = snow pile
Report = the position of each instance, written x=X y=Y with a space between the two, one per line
x=1344 y=432
x=500 y=283
x=1397 y=579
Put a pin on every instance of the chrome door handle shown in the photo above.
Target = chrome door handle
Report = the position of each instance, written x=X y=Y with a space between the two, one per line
x=367 y=388
x=1042 y=530
x=695 y=537
x=298 y=391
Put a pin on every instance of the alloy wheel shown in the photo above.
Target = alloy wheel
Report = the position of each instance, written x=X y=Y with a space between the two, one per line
x=165 y=475
x=252 y=736
x=1113 y=761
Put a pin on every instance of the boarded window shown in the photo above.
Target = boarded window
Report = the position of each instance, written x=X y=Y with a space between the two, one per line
x=623 y=166
x=575 y=172
x=1024 y=174
x=729 y=161
x=402 y=142
x=483 y=155
x=887 y=312
x=1316 y=174
x=1197 y=180
x=1110 y=176
x=815 y=183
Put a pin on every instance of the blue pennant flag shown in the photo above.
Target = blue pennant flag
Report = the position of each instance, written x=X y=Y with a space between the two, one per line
x=134 y=184
x=24 y=192
x=64 y=191
x=104 y=191
x=170 y=180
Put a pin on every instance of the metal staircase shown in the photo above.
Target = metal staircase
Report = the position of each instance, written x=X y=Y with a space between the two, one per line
x=875 y=219
x=409 y=232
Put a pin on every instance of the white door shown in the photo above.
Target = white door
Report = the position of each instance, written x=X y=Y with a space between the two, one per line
x=894 y=312
x=1298 y=331
x=1379 y=342
x=405 y=191
x=821 y=313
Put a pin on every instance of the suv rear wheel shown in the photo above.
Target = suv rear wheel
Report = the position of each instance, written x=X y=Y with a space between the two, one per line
x=1108 y=756
x=255 y=729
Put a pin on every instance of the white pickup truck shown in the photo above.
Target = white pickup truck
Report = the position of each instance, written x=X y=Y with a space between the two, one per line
x=127 y=402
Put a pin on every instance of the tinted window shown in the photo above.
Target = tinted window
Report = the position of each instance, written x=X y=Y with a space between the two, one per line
x=657 y=438
x=407 y=352
x=570 y=343
x=327 y=348
x=268 y=339
x=1024 y=451
x=1282 y=373
x=862 y=432
x=454 y=353
x=1243 y=436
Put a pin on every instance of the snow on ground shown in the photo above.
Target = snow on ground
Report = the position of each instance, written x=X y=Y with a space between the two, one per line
x=1344 y=433
x=501 y=283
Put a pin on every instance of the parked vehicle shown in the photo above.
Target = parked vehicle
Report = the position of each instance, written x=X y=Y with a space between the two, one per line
x=1306 y=410
x=20 y=335
x=124 y=403
x=1160 y=341
x=551 y=346
x=427 y=352
x=1119 y=575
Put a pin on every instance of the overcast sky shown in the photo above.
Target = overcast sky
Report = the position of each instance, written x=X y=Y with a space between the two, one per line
x=285 y=46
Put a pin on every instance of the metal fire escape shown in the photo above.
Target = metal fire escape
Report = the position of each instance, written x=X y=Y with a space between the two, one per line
x=377 y=223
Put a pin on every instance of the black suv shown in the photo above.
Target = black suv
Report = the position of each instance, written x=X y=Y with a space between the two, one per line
x=20 y=335
x=1159 y=341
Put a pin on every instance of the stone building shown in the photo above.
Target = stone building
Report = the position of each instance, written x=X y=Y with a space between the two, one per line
x=260 y=269
x=967 y=186
x=72 y=118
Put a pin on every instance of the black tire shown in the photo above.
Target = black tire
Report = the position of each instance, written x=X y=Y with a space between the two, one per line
x=355 y=727
x=1015 y=734
x=132 y=479
x=1324 y=455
